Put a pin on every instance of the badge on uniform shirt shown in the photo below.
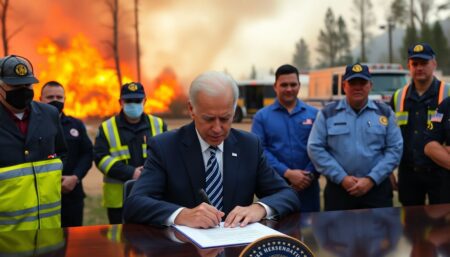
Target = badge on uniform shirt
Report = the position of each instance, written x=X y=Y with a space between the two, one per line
x=74 y=132
x=437 y=117
x=307 y=122
x=383 y=120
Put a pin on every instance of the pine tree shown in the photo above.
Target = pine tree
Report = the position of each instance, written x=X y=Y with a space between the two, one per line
x=441 y=47
x=301 y=56
x=344 y=53
x=410 y=38
x=328 y=41
x=365 y=19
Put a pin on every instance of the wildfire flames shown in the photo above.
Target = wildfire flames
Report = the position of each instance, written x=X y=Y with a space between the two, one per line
x=91 y=86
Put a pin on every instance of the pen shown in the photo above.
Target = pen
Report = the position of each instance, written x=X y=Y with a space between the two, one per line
x=204 y=196
x=205 y=199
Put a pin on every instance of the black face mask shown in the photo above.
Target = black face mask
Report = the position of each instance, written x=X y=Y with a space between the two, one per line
x=59 y=105
x=19 y=98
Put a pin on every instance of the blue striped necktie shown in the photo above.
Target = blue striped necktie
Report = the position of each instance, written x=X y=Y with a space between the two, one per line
x=214 y=188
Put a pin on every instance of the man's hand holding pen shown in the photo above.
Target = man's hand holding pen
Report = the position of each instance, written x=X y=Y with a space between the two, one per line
x=207 y=216
x=202 y=216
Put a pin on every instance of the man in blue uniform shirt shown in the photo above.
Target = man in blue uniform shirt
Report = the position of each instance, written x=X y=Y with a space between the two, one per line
x=79 y=157
x=283 y=128
x=356 y=144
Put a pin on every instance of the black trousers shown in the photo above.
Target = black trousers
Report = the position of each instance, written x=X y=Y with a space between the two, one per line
x=415 y=184
x=72 y=211
x=115 y=215
x=337 y=198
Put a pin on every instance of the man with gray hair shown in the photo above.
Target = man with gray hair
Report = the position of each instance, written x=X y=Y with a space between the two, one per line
x=206 y=171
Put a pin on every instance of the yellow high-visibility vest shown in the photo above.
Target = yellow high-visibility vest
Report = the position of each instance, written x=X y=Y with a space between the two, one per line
x=399 y=103
x=30 y=195
x=113 y=188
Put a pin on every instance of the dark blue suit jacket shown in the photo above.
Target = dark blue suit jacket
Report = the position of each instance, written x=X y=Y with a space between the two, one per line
x=174 y=172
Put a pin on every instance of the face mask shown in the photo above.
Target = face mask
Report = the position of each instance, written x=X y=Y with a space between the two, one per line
x=19 y=98
x=133 y=110
x=59 y=105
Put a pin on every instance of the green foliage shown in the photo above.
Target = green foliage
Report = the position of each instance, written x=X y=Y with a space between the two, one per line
x=301 y=55
x=363 y=20
x=399 y=12
x=441 y=47
x=410 y=38
x=344 y=53
x=334 y=42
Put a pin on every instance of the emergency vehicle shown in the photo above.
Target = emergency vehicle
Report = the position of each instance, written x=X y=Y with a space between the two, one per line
x=325 y=85
x=253 y=95
x=258 y=93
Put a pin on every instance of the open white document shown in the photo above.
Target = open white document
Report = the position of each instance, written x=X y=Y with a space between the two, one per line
x=221 y=236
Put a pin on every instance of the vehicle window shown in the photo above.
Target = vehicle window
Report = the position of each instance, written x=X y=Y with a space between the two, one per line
x=388 y=82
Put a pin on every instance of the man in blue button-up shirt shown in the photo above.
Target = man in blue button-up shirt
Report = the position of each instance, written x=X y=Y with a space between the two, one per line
x=283 y=128
x=356 y=144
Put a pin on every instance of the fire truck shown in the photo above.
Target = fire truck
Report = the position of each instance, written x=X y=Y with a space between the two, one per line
x=325 y=85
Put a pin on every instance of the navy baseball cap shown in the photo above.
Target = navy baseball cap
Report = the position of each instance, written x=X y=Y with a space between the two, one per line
x=422 y=51
x=16 y=70
x=357 y=70
x=132 y=90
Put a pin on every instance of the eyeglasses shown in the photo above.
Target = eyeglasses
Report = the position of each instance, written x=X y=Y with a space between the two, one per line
x=136 y=101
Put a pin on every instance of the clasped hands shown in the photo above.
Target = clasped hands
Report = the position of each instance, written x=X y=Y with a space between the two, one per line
x=357 y=186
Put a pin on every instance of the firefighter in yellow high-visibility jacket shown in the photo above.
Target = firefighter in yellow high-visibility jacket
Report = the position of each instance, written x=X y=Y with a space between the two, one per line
x=120 y=146
x=31 y=142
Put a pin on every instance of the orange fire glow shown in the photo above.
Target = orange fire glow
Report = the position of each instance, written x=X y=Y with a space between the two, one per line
x=91 y=85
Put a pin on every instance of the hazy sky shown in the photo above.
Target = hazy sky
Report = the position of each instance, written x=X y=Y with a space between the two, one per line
x=189 y=36
x=239 y=34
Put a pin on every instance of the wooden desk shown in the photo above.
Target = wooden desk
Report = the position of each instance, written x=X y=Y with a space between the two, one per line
x=411 y=231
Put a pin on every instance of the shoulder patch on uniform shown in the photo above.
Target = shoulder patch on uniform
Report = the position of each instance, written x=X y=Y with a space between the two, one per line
x=383 y=120
x=74 y=132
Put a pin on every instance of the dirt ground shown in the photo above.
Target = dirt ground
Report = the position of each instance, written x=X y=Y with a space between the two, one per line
x=93 y=181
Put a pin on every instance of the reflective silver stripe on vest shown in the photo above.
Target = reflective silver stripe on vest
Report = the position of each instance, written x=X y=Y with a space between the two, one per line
x=29 y=210
x=112 y=180
x=49 y=214
x=106 y=163
x=398 y=99
x=120 y=153
x=50 y=205
x=43 y=207
x=29 y=171
x=18 y=221
x=112 y=136
x=157 y=125
x=19 y=212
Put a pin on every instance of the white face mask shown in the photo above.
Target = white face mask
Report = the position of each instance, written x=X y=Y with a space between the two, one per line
x=133 y=110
